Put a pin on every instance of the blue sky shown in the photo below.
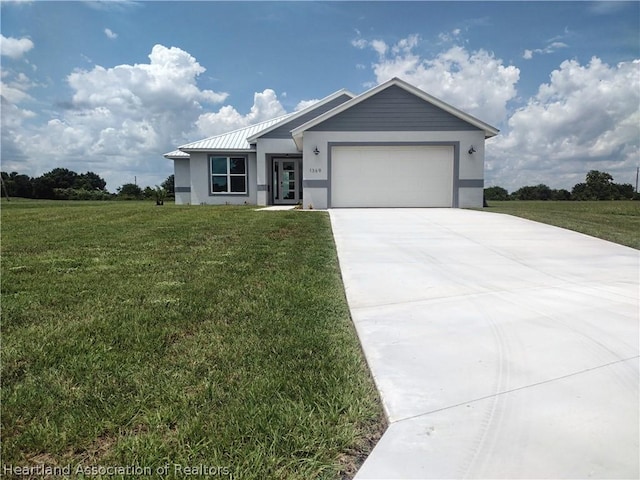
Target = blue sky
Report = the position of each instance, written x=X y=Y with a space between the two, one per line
x=111 y=86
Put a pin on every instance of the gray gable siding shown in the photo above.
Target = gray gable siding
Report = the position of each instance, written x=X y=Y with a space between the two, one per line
x=284 y=131
x=393 y=109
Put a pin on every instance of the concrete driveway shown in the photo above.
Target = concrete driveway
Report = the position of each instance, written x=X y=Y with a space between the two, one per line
x=501 y=347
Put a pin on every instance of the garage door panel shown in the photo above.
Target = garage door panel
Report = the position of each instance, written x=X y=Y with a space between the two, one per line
x=401 y=176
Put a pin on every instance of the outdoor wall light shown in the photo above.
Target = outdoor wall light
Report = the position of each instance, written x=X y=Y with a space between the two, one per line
x=472 y=150
x=316 y=151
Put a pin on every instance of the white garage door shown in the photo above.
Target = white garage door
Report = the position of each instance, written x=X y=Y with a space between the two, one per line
x=388 y=176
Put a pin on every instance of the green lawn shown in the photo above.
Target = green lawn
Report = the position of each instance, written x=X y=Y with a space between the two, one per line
x=214 y=337
x=616 y=221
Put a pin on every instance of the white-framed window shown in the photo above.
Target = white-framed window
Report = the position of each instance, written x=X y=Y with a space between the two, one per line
x=228 y=175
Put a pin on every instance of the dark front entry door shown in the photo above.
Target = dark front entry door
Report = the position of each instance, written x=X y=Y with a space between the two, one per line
x=286 y=180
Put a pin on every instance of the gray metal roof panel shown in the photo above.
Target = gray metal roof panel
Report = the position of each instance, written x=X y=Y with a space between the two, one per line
x=176 y=154
x=235 y=140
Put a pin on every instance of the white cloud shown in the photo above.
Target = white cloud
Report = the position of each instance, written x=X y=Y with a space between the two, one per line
x=15 y=90
x=265 y=106
x=551 y=48
x=167 y=81
x=110 y=34
x=359 y=43
x=112 y=5
x=14 y=47
x=476 y=82
x=449 y=36
x=118 y=123
x=585 y=118
x=302 y=104
x=605 y=7
x=379 y=46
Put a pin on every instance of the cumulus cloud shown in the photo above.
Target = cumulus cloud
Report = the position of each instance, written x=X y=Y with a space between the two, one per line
x=265 y=106
x=585 y=118
x=110 y=34
x=168 y=80
x=15 y=90
x=119 y=120
x=14 y=47
x=476 y=82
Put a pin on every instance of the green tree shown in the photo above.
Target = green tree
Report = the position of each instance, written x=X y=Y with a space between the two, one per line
x=62 y=177
x=89 y=181
x=600 y=185
x=130 y=191
x=148 y=192
x=169 y=185
x=537 y=192
x=580 y=192
x=623 y=191
x=43 y=187
x=561 y=194
x=17 y=185
x=496 y=193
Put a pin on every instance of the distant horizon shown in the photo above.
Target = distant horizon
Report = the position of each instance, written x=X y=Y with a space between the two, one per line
x=110 y=87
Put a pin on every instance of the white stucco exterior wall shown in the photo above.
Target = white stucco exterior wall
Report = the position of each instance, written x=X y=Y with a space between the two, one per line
x=182 y=181
x=315 y=168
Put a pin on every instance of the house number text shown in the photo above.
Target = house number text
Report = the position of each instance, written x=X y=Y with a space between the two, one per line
x=315 y=170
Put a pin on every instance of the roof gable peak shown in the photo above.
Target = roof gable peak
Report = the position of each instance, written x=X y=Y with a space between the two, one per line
x=301 y=112
x=489 y=130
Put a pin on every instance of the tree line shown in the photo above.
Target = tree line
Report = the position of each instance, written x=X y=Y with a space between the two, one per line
x=597 y=186
x=65 y=184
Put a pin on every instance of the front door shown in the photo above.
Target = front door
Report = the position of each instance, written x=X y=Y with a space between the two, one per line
x=286 y=180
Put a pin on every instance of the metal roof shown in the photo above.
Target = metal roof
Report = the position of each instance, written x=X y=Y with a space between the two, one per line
x=236 y=140
x=304 y=111
x=176 y=155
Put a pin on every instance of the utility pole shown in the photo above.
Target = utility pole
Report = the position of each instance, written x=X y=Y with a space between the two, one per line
x=637 y=171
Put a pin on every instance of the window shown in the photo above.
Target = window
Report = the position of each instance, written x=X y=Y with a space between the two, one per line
x=228 y=175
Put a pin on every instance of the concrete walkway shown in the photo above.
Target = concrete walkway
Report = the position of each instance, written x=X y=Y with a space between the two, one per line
x=501 y=347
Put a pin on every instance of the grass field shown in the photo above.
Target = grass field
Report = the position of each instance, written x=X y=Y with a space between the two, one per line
x=208 y=337
x=616 y=221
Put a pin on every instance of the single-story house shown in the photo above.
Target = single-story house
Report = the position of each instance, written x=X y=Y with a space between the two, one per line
x=391 y=146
